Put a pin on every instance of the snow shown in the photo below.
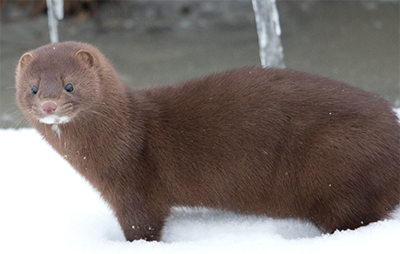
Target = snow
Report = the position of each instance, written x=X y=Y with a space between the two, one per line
x=46 y=207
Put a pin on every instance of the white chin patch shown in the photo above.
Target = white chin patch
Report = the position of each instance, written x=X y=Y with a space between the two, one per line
x=397 y=111
x=54 y=119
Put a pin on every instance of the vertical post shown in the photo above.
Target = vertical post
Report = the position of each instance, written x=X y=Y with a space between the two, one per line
x=269 y=31
x=55 y=12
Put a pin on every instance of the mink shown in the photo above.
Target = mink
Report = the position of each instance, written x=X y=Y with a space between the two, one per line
x=263 y=141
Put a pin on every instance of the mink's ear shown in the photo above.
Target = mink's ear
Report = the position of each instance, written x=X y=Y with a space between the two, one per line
x=86 y=57
x=25 y=60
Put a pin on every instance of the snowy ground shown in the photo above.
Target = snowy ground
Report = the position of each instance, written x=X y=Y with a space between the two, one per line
x=48 y=208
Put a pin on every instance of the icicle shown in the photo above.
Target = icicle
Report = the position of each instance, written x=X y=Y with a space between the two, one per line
x=269 y=31
x=55 y=12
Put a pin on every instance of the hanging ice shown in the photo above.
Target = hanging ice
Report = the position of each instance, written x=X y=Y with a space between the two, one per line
x=55 y=12
x=269 y=31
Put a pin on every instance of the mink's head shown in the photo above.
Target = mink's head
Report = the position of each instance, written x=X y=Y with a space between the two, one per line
x=57 y=82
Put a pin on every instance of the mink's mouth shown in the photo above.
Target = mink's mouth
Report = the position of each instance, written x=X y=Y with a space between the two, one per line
x=50 y=113
x=53 y=119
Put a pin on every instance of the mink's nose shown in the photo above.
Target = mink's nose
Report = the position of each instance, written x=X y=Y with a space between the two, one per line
x=49 y=107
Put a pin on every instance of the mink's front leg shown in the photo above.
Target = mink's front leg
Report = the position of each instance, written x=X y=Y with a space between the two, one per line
x=144 y=231
x=142 y=223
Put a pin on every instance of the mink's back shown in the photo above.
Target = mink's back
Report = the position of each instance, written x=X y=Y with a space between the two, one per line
x=271 y=141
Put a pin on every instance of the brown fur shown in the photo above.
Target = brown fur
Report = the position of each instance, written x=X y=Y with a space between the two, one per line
x=261 y=141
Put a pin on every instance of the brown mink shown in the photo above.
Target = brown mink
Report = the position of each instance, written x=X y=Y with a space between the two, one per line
x=273 y=142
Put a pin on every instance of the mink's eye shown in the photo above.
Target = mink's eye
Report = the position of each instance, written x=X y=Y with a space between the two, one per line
x=34 y=90
x=69 y=88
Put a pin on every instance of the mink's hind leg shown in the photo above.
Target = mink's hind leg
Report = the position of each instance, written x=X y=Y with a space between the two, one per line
x=348 y=215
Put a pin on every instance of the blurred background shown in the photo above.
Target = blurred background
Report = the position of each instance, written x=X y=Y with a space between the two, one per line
x=165 y=41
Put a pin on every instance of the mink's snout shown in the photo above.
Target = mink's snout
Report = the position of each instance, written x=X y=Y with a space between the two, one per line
x=49 y=107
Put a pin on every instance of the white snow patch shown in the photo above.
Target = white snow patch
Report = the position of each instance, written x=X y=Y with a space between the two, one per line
x=46 y=207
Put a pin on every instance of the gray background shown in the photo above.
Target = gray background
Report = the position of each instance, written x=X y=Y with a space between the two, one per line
x=159 y=42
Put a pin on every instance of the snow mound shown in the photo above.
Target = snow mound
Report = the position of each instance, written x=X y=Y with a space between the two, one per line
x=48 y=208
